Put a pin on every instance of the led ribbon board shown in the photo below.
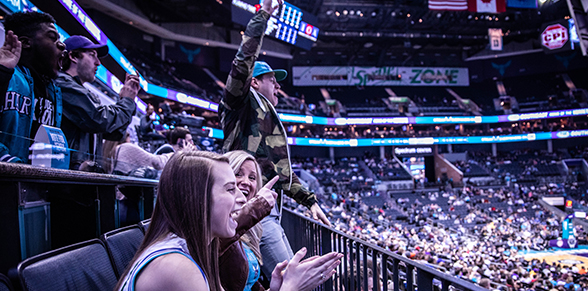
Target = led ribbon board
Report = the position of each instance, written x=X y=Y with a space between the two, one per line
x=78 y=13
x=293 y=118
x=366 y=142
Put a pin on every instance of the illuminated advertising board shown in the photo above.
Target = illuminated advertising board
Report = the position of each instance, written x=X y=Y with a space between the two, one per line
x=418 y=141
x=379 y=76
x=293 y=118
x=289 y=24
x=413 y=151
x=78 y=13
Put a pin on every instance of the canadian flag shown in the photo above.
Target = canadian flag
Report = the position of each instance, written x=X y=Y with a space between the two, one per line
x=487 y=6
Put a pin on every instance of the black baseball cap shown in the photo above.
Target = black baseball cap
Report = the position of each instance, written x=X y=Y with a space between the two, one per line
x=75 y=42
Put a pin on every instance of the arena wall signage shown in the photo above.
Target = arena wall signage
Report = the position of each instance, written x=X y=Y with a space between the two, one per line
x=380 y=76
x=364 y=142
x=78 y=13
x=555 y=37
x=431 y=119
x=413 y=151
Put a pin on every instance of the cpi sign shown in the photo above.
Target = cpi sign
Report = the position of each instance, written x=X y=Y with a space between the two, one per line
x=554 y=36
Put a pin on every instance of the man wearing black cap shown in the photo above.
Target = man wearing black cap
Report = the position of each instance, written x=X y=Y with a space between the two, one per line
x=85 y=119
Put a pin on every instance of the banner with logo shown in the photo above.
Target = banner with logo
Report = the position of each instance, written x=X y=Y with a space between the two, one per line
x=380 y=76
x=555 y=37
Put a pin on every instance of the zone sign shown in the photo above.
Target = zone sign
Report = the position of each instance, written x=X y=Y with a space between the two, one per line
x=554 y=36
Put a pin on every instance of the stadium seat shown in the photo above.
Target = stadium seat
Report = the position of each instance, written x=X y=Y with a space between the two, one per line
x=145 y=224
x=5 y=284
x=122 y=244
x=82 y=266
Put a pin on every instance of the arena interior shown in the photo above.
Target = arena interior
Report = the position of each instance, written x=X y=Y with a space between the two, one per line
x=446 y=141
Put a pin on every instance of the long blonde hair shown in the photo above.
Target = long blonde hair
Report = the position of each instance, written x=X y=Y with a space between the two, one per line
x=253 y=236
x=109 y=153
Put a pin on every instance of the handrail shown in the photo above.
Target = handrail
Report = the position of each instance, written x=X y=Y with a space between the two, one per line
x=361 y=258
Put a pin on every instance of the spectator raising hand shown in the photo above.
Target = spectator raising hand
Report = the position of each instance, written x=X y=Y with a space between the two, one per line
x=131 y=87
x=10 y=51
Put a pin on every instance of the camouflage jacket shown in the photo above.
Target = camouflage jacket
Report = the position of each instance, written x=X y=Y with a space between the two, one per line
x=250 y=122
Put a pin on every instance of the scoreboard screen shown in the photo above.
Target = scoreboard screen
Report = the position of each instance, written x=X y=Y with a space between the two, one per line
x=289 y=24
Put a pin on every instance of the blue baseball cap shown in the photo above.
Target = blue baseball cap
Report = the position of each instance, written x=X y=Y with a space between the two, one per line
x=76 y=42
x=261 y=68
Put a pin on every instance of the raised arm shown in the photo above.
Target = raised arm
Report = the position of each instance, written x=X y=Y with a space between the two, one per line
x=9 y=57
x=239 y=79
x=82 y=111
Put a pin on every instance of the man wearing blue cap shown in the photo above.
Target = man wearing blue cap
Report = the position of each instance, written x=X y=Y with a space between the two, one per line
x=250 y=123
x=85 y=119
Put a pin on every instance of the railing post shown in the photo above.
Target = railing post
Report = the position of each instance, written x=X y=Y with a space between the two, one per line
x=396 y=278
x=357 y=264
x=444 y=285
x=365 y=268
x=350 y=274
x=424 y=280
x=326 y=248
x=410 y=277
x=340 y=250
x=385 y=271
x=375 y=271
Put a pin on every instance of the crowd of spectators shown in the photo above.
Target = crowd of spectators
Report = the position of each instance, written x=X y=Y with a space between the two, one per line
x=486 y=244
x=478 y=234
x=407 y=131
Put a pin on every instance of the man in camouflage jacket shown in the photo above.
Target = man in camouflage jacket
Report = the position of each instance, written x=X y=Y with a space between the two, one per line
x=250 y=121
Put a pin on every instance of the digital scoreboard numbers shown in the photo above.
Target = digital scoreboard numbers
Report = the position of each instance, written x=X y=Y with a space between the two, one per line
x=286 y=24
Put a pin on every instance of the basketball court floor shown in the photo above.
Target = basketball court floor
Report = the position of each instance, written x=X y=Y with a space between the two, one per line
x=567 y=257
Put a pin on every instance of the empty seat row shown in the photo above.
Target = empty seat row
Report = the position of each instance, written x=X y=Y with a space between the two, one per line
x=96 y=264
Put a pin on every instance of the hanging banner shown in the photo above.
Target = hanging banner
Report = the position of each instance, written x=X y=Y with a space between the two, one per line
x=495 y=36
x=380 y=76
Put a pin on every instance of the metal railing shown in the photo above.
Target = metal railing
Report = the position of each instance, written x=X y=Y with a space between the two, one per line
x=385 y=270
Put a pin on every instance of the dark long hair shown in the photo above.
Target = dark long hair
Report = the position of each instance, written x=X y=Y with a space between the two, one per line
x=184 y=207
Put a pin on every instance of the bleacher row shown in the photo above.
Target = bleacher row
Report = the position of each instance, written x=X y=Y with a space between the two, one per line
x=91 y=265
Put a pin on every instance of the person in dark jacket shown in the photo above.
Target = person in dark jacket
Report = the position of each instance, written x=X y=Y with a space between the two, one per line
x=29 y=61
x=85 y=119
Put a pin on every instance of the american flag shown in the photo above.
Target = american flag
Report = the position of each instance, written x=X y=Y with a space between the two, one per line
x=454 y=5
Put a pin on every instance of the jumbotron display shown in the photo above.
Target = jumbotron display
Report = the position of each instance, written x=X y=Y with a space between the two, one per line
x=289 y=24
